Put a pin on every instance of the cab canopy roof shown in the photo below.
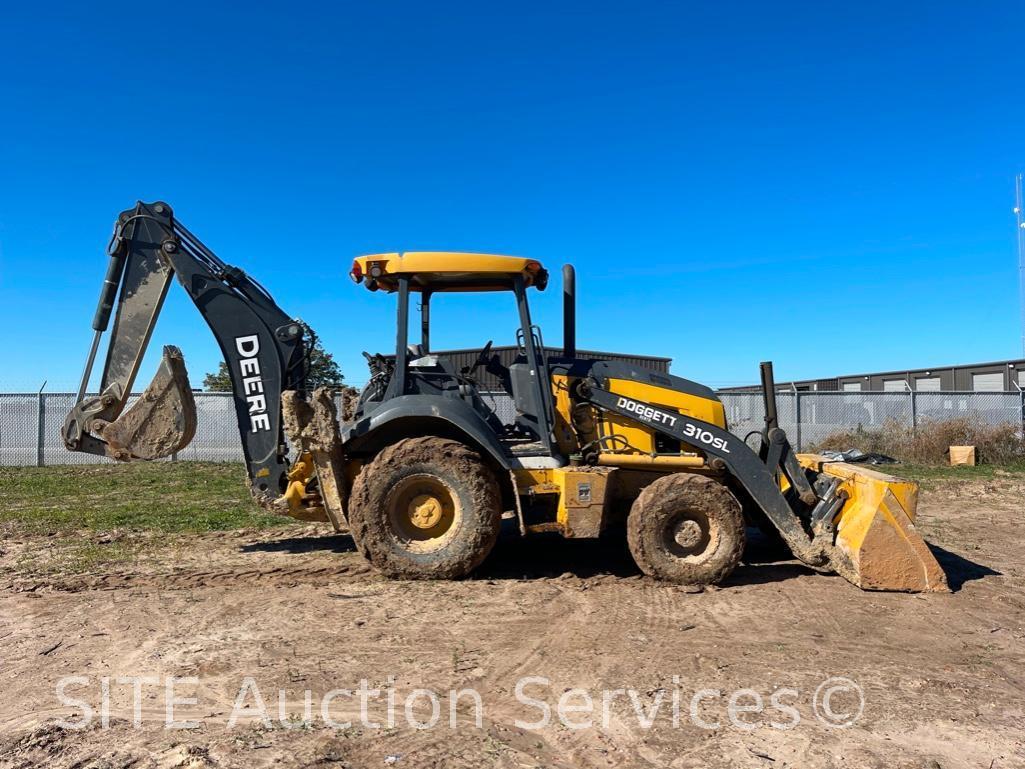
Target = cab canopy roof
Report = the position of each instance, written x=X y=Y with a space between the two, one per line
x=447 y=271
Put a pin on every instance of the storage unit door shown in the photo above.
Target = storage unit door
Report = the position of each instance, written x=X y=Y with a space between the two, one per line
x=988 y=382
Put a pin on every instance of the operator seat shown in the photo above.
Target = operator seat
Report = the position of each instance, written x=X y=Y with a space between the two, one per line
x=524 y=394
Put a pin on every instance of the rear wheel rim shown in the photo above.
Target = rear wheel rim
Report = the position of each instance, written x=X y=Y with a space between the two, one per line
x=423 y=513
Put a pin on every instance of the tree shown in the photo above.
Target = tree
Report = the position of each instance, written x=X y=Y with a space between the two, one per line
x=323 y=372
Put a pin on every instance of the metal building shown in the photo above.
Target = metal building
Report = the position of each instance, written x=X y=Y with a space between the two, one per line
x=507 y=355
x=995 y=376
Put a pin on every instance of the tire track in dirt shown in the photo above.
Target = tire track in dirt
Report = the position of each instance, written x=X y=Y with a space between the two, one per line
x=551 y=627
x=940 y=673
x=190 y=579
x=581 y=622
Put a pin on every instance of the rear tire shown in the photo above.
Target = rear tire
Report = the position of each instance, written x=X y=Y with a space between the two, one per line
x=686 y=528
x=425 y=508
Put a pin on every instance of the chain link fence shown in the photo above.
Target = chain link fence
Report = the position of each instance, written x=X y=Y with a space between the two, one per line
x=30 y=423
x=809 y=417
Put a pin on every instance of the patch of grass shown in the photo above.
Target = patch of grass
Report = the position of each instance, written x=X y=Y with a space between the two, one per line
x=928 y=474
x=165 y=497
x=68 y=554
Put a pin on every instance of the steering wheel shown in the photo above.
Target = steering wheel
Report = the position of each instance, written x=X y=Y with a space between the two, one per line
x=482 y=359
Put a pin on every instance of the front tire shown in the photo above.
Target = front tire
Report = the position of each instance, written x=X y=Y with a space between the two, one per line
x=686 y=528
x=425 y=508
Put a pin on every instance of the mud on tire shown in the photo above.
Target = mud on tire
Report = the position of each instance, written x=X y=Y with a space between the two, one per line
x=686 y=528
x=425 y=508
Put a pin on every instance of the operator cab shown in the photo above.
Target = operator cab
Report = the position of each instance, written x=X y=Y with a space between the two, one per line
x=415 y=370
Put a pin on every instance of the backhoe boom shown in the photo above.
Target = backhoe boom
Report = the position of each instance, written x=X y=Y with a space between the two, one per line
x=264 y=349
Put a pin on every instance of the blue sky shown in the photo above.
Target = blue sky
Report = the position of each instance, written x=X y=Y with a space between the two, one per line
x=826 y=185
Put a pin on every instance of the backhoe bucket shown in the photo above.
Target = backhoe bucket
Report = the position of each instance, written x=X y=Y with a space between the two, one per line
x=877 y=545
x=161 y=422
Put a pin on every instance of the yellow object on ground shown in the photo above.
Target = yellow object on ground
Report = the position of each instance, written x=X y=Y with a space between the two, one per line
x=878 y=546
x=962 y=455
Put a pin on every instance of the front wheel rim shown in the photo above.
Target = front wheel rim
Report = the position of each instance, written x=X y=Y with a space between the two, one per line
x=690 y=536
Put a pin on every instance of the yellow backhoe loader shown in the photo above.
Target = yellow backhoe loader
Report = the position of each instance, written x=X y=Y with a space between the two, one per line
x=423 y=471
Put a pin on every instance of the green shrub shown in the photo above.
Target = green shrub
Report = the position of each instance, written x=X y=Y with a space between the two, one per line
x=927 y=444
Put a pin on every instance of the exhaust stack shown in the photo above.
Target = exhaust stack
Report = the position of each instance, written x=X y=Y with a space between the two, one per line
x=569 y=311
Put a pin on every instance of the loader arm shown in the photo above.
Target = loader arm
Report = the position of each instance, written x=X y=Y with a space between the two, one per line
x=869 y=539
x=729 y=453
x=263 y=347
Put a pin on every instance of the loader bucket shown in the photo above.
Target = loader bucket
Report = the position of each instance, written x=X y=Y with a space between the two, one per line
x=161 y=422
x=877 y=545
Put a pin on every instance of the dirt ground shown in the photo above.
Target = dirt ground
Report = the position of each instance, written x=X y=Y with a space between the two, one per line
x=942 y=677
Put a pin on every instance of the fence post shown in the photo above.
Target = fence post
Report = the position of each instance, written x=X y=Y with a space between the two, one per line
x=797 y=416
x=1021 y=394
x=914 y=411
x=40 y=425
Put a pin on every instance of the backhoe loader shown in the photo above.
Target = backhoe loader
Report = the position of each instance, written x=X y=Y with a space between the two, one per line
x=424 y=471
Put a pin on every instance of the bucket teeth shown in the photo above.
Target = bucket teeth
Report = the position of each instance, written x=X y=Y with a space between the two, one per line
x=161 y=422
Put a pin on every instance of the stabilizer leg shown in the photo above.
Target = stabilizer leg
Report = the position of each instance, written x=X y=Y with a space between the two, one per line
x=313 y=427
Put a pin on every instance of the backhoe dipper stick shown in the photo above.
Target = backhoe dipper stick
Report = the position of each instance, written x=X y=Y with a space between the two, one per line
x=263 y=348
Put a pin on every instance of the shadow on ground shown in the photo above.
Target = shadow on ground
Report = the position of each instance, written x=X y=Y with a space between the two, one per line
x=549 y=555
x=543 y=556
x=334 y=543
x=959 y=569
x=766 y=573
